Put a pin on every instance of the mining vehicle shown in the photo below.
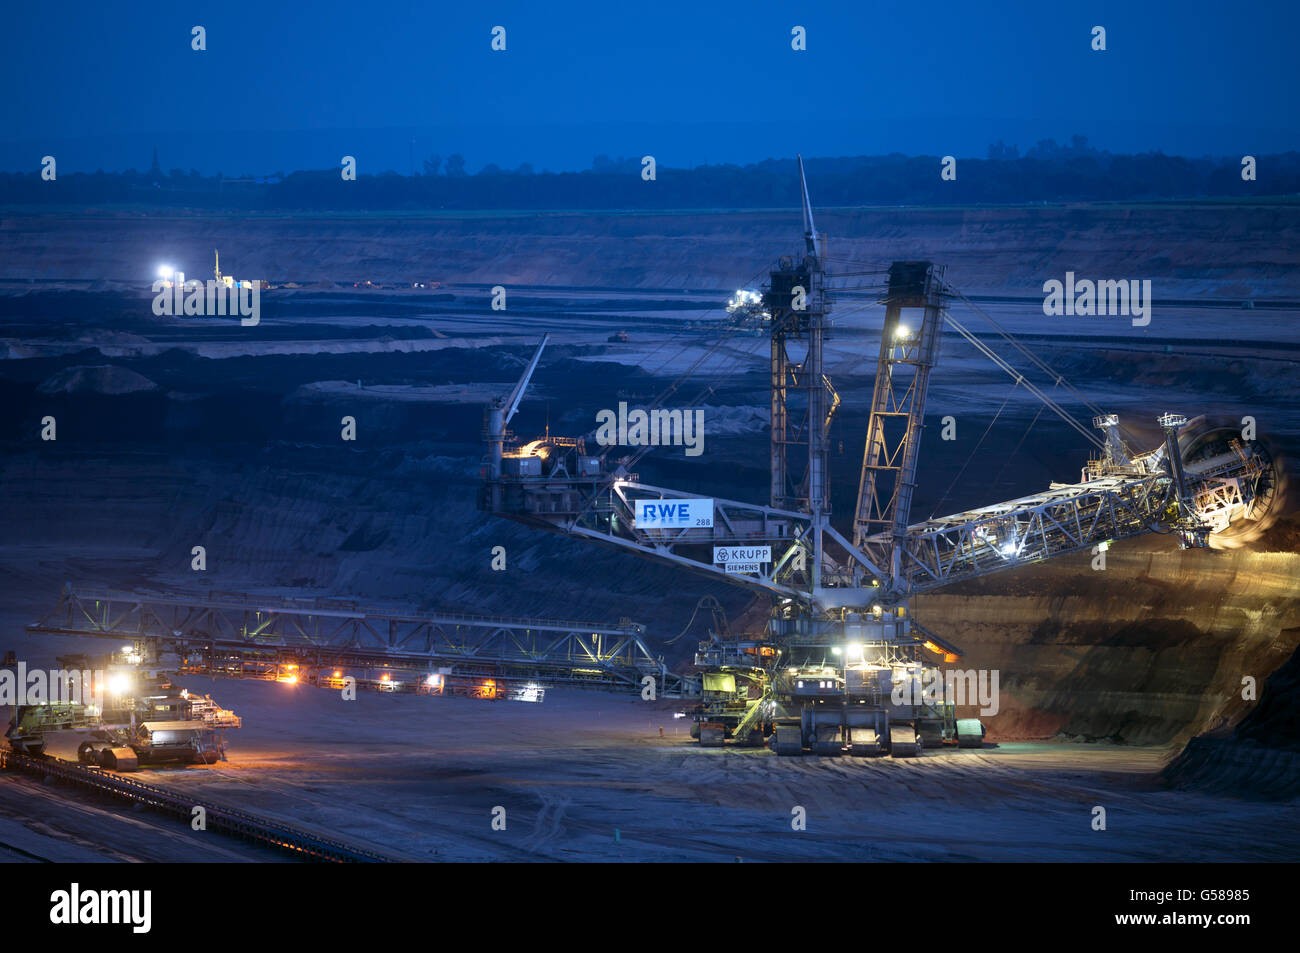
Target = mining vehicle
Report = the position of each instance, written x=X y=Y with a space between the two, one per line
x=144 y=719
x=157 y=723
x=842 y=666
x=30 y=724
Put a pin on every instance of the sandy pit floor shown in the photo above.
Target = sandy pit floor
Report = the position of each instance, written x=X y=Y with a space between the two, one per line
x=586 y=776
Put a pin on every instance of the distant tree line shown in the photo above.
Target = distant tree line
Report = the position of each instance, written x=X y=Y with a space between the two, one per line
x=1047 y=172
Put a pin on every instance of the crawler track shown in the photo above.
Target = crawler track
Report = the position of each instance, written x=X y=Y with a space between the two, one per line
x=240 y=824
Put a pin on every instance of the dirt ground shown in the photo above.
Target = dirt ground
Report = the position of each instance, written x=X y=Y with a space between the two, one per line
x=586 y=776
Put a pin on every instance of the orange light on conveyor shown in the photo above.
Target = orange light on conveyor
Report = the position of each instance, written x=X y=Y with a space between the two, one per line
x=947 y=656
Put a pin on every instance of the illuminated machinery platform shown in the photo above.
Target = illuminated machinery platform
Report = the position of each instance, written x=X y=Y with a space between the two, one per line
x=322 y=642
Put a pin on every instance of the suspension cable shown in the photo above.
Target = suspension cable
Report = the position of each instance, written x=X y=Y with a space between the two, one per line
x=1057 y=378
x=978 y=444
x=1029 y=385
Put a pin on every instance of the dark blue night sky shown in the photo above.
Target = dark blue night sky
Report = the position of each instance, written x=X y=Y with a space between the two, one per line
x=285 y=88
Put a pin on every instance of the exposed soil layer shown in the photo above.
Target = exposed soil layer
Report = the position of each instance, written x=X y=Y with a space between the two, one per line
x=1149 y=650
x=1260 y=756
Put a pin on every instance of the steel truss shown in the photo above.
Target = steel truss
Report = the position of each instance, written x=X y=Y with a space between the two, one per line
x=1063 y=520
x=937 y=552
x=550 y=651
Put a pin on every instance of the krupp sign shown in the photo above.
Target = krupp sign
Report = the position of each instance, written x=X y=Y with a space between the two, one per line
x=742 y=558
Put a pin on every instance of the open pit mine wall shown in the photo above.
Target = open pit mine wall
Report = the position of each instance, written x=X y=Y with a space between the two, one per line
x=986 y=249
x=1150 y=650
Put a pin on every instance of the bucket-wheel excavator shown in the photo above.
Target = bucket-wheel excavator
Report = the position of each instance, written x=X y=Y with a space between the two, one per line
x=842 y=666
